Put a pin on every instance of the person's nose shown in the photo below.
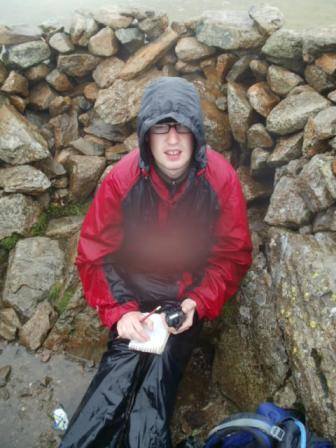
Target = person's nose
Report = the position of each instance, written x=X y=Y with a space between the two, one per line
x=172 y=135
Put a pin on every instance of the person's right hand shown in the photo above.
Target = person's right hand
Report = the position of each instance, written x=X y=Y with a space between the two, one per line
x=129 y=326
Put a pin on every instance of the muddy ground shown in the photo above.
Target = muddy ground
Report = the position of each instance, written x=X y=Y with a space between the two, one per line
x=37 y=383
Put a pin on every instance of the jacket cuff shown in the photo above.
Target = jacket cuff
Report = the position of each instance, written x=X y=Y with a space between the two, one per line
x=112 y=315
x=200 y=308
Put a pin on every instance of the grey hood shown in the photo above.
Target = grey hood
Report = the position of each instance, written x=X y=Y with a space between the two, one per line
x=174 y=98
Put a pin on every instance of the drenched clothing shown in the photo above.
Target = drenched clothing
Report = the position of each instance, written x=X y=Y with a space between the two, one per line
x=144 y=242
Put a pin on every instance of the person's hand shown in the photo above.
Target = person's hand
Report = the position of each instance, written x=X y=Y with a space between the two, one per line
x=188 y=307
x=129 y=326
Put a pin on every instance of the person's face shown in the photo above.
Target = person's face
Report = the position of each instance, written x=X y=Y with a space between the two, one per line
x=172 y=151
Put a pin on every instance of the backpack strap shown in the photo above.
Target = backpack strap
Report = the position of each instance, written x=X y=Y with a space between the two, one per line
x=246 y=420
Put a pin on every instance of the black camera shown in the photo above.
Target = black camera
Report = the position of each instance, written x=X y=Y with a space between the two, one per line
x=174 y=315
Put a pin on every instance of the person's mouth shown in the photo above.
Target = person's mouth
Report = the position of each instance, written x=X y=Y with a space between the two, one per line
x=173 y=154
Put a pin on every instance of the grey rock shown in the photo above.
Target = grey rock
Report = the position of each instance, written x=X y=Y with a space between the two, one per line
x=317 y=41
x=34 y=332
x=77 y=64
x=268 y=18
x=104 y=43
x=64 y=227
x=131 y=142
x=265 y=365
x=302 y=268
x=3 y=72
x=292 y=113
x=286 y=149
x=4 y=375
x=19 y=34
x=185 y=68
x=59 y=81
x=15 y=84
x=107 y=72
x=229 y=31
x=325 y=221
x=83 y=26
x=20 y=142
x=17 y=214
x=240 y=69
x=253 y=189
x=9 y=324
x=84 y=173
x=153 y=27
x=259 y=165
x=318 y=79
x=258 y=137
x=221 y=103
x=190 y=49
x=27 y=54
x=98 y=127
x=61 y=42
x=120 y=103
x=65 y=128
x=88 y=146
x=51 y=167
x=240 y=112
x=261 y=98
x=131 y=38
x=29 y=283
x=317 y=130
x=281 y=80
x=332 y=96
x=112 y=18
x=259 y=69
x=217 y=126
x=317 y=183
x=292 y=169
x=284 y=44
x=23 y=179
x=287 y=207
x=41 y=96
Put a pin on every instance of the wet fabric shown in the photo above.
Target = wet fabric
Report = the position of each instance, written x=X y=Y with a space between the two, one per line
x=131 y=398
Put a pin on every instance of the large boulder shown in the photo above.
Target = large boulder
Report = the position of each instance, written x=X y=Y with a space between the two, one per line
x=292 y=113
x=20 y=141
x=292 y=288
x=29 y=283
x=302 y=269
x=229 y=30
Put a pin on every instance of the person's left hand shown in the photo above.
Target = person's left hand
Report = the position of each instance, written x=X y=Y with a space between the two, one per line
x=188 y=307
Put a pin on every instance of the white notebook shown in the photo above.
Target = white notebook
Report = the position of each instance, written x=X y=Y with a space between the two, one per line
x=158 y=337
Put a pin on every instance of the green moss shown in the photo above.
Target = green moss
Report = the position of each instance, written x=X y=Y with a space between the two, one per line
x=10 y=242
x=55 y=211
x=54 y=293
x=39 y=228
x=63 y=302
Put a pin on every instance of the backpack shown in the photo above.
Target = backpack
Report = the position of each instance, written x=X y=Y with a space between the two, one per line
x=269 y=427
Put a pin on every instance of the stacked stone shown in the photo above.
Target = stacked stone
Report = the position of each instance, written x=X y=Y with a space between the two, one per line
x=68 y=107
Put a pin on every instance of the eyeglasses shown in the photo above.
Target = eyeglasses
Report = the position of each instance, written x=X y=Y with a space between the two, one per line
x=164 y=128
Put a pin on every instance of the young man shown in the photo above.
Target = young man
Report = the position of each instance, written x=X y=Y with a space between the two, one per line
x=168 y=225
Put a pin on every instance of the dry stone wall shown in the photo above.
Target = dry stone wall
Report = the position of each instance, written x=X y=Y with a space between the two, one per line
x=68 y=106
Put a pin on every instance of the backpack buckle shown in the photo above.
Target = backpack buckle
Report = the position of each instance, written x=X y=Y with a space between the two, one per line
x=278 y=433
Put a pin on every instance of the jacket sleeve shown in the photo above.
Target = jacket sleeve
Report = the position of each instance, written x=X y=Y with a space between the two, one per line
x=101 y=236
x=230 y=257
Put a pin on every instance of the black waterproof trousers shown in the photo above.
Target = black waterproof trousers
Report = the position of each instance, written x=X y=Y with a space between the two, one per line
x=131 y=398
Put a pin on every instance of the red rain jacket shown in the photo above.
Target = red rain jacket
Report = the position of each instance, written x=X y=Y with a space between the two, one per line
x=142 y=243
